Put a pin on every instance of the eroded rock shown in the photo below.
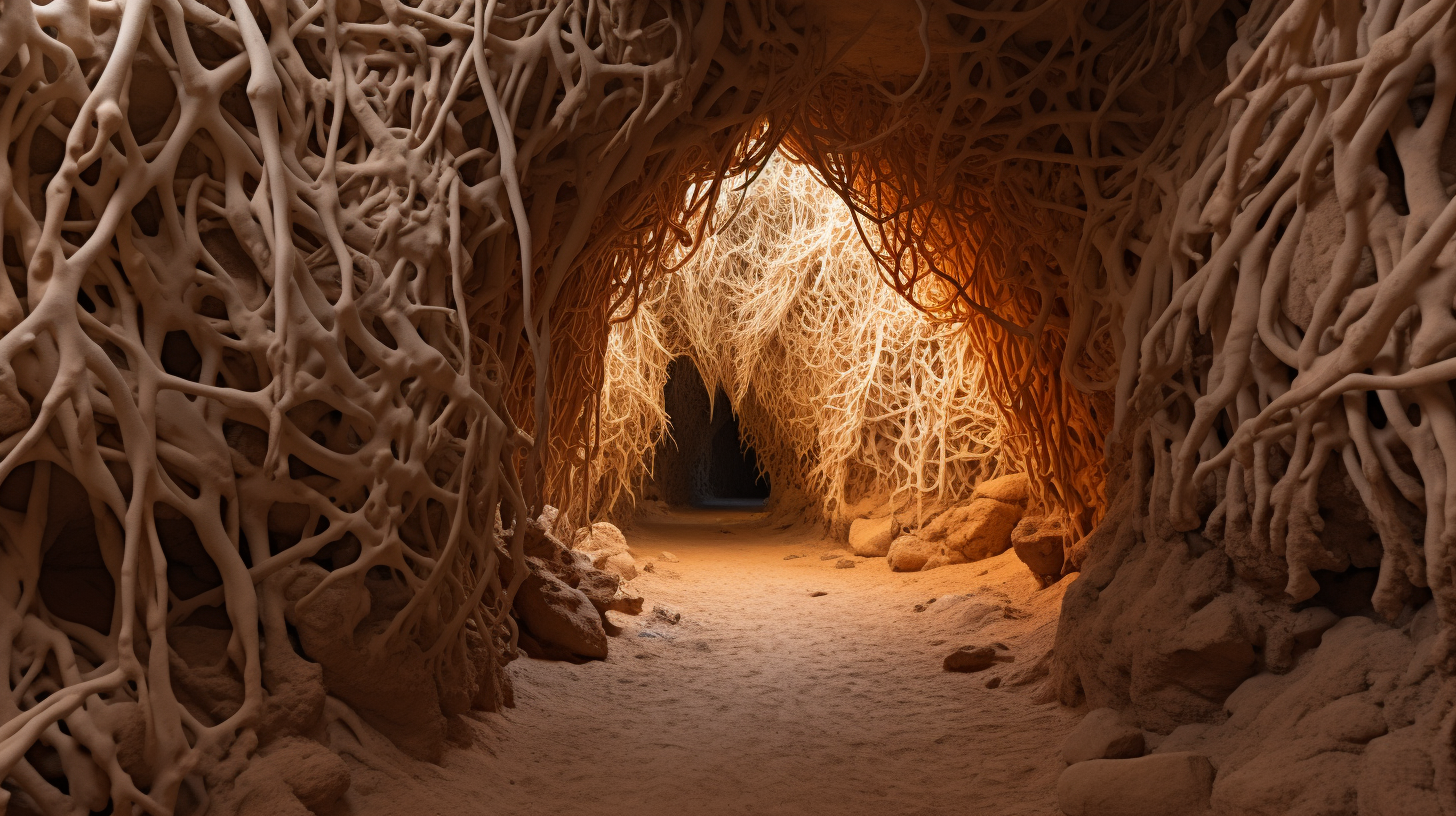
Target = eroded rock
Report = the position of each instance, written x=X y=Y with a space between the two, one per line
x=1176 y=784
x=909 y=552
x=970 y=532
x=1102 y=735
x=560 y=615
x=608 y=549
x=1040 y=542
x=1011 y=489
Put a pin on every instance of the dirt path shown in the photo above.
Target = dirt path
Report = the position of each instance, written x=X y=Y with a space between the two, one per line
x=765 y=700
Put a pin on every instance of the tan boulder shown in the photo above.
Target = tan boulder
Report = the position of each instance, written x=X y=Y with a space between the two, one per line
x=1013 y=489
x=559 y=615
x=608 y=549
x=1102 y=735
x=621 y=565
x=871 y=538
x=908 y=553
x=1040 y=542
x=984 y=529
x=944 y=558
x=973 y=531
x=960 y=535
x=626 y=602
x=602 y=538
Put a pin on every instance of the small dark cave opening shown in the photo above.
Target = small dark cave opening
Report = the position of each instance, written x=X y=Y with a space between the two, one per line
x=704 y=462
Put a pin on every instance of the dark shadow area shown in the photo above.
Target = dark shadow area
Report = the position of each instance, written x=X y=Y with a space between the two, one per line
x=733 y=467
x=703 y=461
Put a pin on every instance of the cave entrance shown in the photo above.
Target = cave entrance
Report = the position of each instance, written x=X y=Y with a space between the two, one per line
x=703 y=461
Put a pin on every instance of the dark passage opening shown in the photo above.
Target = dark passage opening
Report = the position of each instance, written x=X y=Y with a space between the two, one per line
x=704 y=460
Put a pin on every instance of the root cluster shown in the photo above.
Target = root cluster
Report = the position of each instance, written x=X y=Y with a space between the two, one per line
x=1292 y=381
x=275 y=273
x=843 y=388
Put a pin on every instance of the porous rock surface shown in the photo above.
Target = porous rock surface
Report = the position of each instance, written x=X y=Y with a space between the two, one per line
x=1304 y=711
x=563 y=601
x=560 y=615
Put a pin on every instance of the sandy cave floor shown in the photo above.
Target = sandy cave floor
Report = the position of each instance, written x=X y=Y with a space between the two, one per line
x=763 y=699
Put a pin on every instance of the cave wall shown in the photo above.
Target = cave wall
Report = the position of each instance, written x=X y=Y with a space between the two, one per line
x=273 y=357
x=291 y=294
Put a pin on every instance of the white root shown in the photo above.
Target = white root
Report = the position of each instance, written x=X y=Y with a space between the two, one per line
x=263 y=317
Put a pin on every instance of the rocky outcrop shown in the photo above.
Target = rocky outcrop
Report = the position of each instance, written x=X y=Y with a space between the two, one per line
x=563 y=582
x=871 y=538
x=560 y=615
x=978 y=529
x=608 y=549
x=1305 y=709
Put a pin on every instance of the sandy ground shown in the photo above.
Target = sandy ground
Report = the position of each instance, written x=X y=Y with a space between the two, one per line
x=764 y=699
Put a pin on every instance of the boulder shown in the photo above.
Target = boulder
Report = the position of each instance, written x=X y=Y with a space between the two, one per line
x=1013 y=489
x=621 y=565
x=942 y=558
x=598 y=587
x=1102 y=735
x=1176 y=784
x=602 y=538
x=626 y=602
x=608 y=549
x=966 y=533
x=1040 y=542
x=970 y=659
x=871 y=538
x=980 y=529
x=559 y=615
x=908 y=553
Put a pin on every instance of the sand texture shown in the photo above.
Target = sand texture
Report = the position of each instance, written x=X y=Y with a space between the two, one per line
x=764 y=699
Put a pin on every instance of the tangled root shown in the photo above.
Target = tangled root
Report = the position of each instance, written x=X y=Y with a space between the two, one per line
x=842 y=387
x=1310 y=274
x=273 y=275
x=1009 y=187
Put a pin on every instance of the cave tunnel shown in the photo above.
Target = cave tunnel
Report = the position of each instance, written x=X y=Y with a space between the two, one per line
x=703 y=461
x=370 y=459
